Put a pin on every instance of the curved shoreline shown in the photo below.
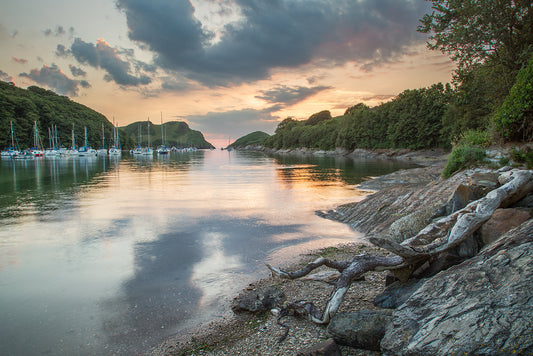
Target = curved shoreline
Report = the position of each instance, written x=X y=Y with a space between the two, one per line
x=258 y=334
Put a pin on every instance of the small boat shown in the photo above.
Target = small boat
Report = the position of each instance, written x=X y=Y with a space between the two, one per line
x=162 y=150
x=86 y=151
x=147 y=151
x=37 y=150
x=102 y=151
x=11 y=152
x=115 y=150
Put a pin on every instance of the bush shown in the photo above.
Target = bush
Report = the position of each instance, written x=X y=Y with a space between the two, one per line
x=462 y=157
x=476 y=138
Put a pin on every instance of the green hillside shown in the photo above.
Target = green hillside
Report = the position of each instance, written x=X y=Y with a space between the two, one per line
x=254 y=138
x=25 y=106
x=177 y=134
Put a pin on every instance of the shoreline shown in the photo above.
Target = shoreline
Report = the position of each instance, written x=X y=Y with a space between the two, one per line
x=257 y=334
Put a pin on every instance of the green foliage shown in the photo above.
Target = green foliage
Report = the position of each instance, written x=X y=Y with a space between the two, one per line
x=25 y=106
x=514 y=118
x=176 y=133
x=472 y=31
x=254 y=138
x=524 y=156
x=476 y=138
x=412 y=120
x=462 y=157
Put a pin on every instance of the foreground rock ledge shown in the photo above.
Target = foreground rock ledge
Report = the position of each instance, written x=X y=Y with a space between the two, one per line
x=483 y=306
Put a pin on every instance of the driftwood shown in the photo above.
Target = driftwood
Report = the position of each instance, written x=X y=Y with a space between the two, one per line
x=437 y=237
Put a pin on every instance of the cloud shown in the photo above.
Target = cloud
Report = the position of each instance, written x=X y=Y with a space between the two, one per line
x=286 y=96
x=234 y=123
x=5 y=77
x=54 y=78
x=19 y=60
x=103 y=56
x=59 y=31
x=77 y=72
x=273 y=34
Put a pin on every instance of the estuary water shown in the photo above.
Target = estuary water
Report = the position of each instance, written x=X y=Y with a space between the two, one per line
x=109 y=256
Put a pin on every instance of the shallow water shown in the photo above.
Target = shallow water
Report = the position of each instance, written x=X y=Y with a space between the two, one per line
x=103 y=256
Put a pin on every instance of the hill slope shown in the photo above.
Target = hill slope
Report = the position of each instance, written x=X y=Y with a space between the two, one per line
x=25 y=106
x=254 y=138
x=177 y=134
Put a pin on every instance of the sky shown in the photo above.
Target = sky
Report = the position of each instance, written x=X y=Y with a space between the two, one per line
x=226 y=67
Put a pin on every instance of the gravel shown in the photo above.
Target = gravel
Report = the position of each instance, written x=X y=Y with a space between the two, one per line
x=259 y=334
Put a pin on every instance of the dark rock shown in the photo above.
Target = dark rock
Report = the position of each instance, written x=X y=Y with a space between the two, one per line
x=465 y=194
x=325 y=348
x=526 y=202
x=258 y=300
x=362 y=330
x=397 y=293
x=483 y=306
x=502 y=221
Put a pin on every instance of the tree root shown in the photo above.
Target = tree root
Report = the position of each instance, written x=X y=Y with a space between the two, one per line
x=437 y=237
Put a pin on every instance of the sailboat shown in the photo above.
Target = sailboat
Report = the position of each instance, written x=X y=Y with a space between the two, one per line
x=138 y=150
x=115 y=150
x=11 y=152
x=148 y=151
x=37 y=149
x=162 y=150
x=86 y=151
x=73 y=150
x=102 y=151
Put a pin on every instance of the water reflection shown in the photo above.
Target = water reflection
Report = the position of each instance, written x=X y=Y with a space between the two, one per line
x=109 y=256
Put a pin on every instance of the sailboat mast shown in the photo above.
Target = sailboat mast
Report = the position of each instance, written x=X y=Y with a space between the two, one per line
x=12 y=136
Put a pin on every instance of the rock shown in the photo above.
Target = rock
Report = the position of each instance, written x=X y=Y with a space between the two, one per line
x=467 y=193
x=325 y=348
x=526 y=202
x=502 y=221
x=397 y=293
x=362 y=330
x=483 y=306
x=258 y=300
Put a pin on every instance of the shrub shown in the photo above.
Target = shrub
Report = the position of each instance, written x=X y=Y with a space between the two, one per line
x=462 y=157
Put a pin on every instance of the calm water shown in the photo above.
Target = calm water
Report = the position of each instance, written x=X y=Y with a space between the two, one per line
x=103 y=256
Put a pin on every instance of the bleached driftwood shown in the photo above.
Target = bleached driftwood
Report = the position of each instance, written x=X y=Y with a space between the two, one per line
x=437 y=237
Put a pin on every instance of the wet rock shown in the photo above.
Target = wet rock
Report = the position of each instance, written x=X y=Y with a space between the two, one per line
x=502 y=221
x=483 y=306
x=325 y=348
x=362 y=330
x=258 y=300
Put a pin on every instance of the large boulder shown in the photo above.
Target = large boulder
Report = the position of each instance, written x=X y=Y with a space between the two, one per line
x=258 y=300
x=483 y=306
x=502 y=221
x=363 y=329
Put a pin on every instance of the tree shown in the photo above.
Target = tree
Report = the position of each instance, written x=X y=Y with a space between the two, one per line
x=474 y=30
x=514 y=118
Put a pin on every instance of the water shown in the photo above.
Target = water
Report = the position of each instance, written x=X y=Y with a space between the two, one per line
x=103 y=256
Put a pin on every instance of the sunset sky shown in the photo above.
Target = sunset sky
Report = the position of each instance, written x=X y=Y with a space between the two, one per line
x=226 y=67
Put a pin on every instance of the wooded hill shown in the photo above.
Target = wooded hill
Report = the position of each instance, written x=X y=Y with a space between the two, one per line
x=176 y=133
x=23 y=107
x=254 y=138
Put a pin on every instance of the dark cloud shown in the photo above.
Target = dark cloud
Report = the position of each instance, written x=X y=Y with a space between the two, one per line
x=102 y=55
x=77 y=72
x=235 y=123
x=270 y=34
x=5 y=77
x=54 y=78
x=58 y=31
x=286 y=96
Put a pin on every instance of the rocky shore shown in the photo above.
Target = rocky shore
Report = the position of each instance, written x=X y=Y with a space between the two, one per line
x=475 y=299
